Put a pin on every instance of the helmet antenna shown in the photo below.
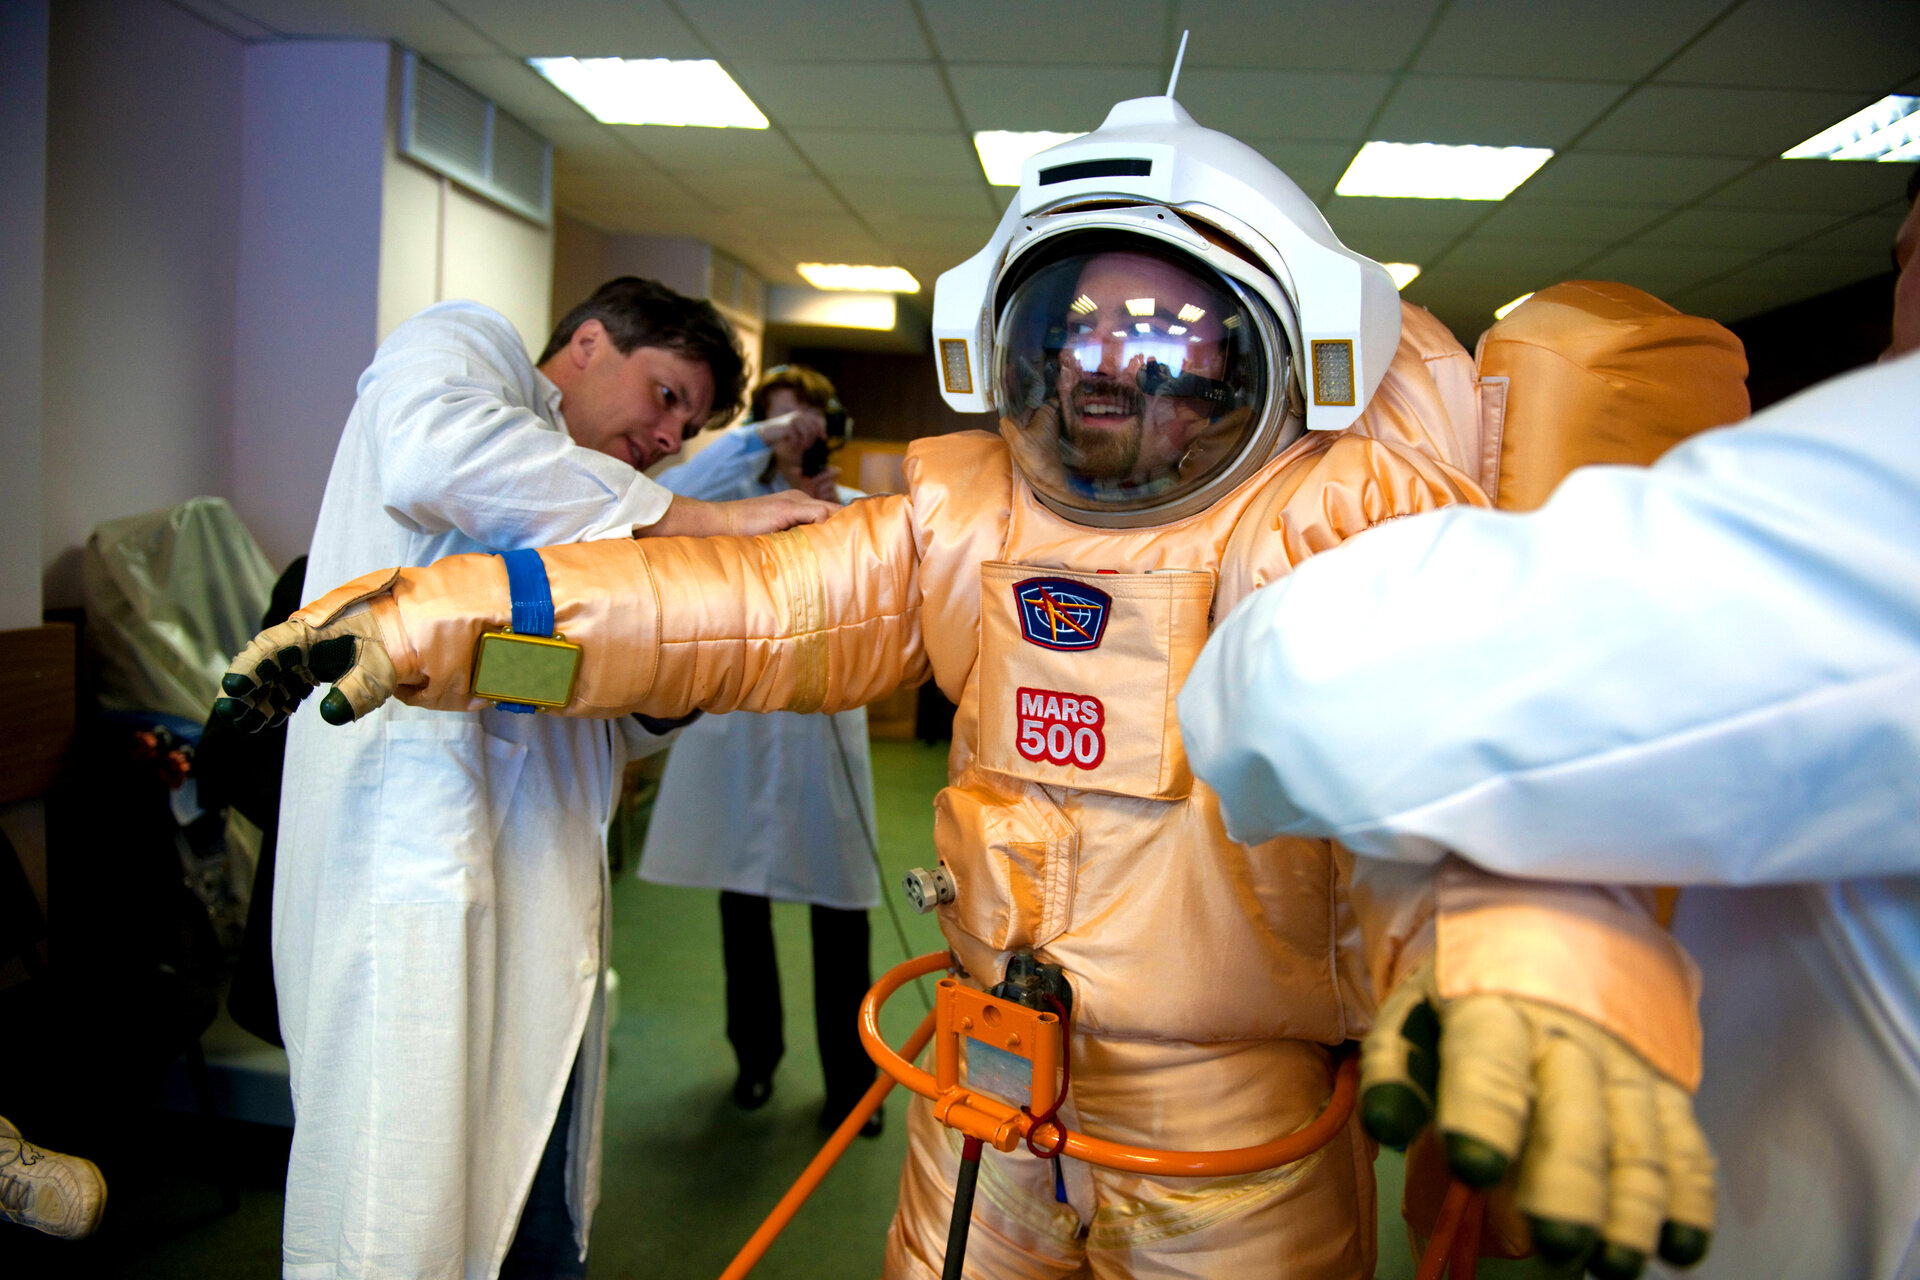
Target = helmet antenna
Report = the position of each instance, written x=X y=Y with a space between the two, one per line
x=1178 y=58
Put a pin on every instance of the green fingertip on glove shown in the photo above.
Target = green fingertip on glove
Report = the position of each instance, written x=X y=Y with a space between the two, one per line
x=1616 y=1262
x=235 y=685
x=334 y=708
x=1393 y=1114
x=1474 y=1162
x=1682 y=1245
x=1563 y=1242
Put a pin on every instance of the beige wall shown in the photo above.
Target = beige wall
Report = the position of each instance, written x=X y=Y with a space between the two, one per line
x=439 y=241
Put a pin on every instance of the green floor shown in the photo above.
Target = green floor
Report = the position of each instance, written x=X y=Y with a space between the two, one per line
x=687 y=1176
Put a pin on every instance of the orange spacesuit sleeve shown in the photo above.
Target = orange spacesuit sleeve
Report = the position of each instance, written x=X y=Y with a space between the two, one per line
x=819 y=618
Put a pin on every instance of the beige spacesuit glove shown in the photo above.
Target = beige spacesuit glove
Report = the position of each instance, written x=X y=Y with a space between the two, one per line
x=284 y=663
x=1611 y=1162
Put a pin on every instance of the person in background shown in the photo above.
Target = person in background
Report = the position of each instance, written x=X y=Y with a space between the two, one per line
x=778 y=806
x=440 y=908
x=1705 y=673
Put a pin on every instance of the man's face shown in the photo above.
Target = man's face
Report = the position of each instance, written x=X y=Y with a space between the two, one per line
x=637 y=407
x=1906 y=290
x=1126 y=318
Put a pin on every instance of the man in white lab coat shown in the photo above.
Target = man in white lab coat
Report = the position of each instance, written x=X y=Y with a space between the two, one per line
x=440 y=913
x=1706 y=673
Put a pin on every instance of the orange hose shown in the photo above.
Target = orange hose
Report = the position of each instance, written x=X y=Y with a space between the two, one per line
x=810 y=1177
x=1461 y=1205
x=989 y=1112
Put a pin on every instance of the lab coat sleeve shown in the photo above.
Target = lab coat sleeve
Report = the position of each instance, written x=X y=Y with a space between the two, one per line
x=1706 y=671
x=823 y=617
x=728 y=468
x=455 y=450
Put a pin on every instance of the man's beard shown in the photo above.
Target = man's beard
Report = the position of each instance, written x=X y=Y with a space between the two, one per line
x=1103 y=452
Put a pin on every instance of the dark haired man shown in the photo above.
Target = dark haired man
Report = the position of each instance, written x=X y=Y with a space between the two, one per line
x=440 y=905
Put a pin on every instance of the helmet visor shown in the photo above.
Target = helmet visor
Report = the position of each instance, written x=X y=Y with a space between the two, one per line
x=1129 y=374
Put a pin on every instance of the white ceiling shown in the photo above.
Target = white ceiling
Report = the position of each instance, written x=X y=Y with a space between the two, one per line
x=1667 y=116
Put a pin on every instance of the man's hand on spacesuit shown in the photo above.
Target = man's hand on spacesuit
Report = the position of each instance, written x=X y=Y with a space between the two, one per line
x=768 y=513
x=1611 y=1160
x=280 y=667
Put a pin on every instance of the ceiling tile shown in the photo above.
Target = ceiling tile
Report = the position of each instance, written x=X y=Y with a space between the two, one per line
x=1540 y=220
x=965 y=235
x=586 y=141
x=1313 y=166
x=1737 y=228
x=1548 y=261
x=1778 y=282
x=1857 y=45
x=1584 y=39
x=1840 y=186
x=929 y=199
x=1065 y=98
x=1304 y=34
x=1664 y=269
x=420 y=25
x=1361 y=216
x=844 y=31
x=583 y=28
x=1127 y=32
x=775 y=194
x=712 y=150
x=517 y=87
x=801 y=95
x=942 y=156
x=1283 y=104
x=1714 y=121
x=1505 y=113
x=1863 y=236
x=1614 y=176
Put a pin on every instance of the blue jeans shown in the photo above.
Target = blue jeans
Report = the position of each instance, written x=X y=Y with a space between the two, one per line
x=543 y=1247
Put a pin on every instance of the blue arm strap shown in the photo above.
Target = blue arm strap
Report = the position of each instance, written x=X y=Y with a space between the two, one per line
x=532 y=602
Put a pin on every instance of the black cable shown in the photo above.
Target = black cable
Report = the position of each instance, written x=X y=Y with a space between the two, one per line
x=962 y=1210
x=873 y=852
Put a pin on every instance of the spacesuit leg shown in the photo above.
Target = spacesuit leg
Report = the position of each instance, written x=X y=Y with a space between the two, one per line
x=1019 y=1232
x=1313 y=1218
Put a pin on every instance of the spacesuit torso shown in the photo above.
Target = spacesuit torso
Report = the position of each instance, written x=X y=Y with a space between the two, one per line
x=1120 y=870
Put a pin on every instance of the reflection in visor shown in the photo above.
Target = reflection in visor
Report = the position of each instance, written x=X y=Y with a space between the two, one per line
x=1127 y=374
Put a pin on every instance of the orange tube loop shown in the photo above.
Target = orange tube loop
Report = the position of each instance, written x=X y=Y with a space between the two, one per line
x=991 y=1120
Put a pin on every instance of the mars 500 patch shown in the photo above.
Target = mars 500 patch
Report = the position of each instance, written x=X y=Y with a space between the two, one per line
x=1061 y=728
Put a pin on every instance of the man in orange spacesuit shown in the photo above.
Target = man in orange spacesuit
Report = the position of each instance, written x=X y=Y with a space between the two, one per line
x=1198 y=388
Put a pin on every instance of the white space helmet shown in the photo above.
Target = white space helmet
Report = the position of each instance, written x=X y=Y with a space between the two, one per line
x=1158 y=314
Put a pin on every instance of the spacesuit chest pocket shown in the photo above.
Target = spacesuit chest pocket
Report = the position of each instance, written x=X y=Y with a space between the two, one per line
x=1012 y=857
x=1078 y=675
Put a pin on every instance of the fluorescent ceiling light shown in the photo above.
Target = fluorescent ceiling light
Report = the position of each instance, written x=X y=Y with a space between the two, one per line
x=1083 y=304
x=1434 y=171
x=1176 y=329
x=1190 y=313
x=1403 y=273
x=792 y=304
x=1500 y=313
x=653 y=91
x=1139 y=306
x=1002 y=153
x=1887 y=130
x=840 y=275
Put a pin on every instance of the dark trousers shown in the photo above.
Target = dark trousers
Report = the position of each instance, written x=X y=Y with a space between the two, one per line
x=840 y=981
x=543 y=1247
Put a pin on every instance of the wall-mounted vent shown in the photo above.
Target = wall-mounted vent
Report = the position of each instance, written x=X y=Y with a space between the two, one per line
x=452 y=130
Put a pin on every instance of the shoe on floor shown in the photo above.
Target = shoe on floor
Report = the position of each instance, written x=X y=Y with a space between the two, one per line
x=833 y=1113
x=750 y=1093
x=60 y=1195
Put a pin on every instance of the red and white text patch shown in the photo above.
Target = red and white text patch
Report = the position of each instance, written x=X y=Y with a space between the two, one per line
x=1061 y=728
